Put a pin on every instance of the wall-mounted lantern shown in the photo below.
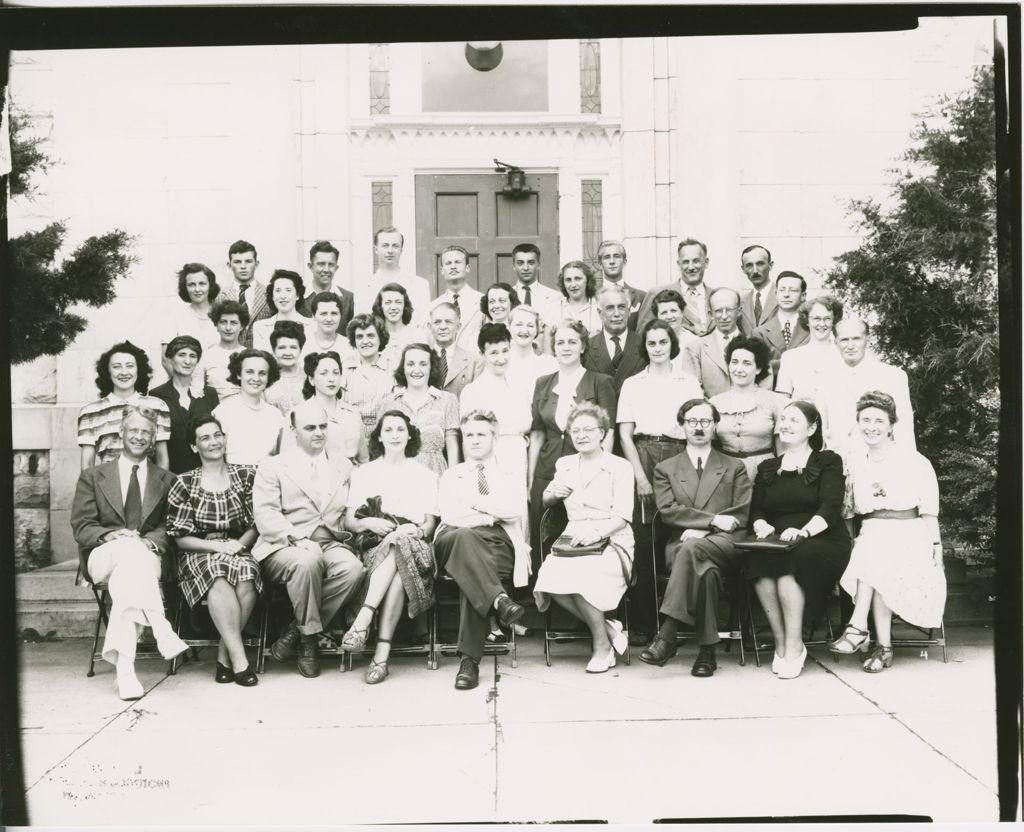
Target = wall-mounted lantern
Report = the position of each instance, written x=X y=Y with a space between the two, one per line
x=515 y=179
x=484 y=55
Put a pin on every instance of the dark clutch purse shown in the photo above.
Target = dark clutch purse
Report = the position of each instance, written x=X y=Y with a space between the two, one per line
x=563 y=547
x=769 y=544
x=365 y=541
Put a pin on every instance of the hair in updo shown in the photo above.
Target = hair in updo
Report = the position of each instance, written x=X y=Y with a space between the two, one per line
x=813 y=417
x=883 y=401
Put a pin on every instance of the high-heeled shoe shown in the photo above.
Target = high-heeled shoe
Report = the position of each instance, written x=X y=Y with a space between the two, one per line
x=853 y=640
x=600 y=665
x=377 y=671
x=224 y=674
x=246 y=678
x=354 y=639
x=777 y=663
x=879 y=660
x=619 y=640
x=790 y=669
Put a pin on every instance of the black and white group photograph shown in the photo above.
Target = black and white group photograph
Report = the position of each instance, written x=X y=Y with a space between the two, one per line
x=603 y=424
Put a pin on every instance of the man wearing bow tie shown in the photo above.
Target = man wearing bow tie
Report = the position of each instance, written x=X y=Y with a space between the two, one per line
x=692 y=259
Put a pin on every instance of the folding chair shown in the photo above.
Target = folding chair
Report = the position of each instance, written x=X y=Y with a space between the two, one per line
x=449 y=648
x=552 y=523
x=194 y=640
x=276 y=595
x=427 y=649
x=927 y=640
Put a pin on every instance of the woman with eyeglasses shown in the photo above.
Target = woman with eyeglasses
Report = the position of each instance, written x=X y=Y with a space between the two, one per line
x=597 y=490
x=803 y=370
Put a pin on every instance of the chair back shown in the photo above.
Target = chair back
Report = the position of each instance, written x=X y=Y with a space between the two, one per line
x=552 y=524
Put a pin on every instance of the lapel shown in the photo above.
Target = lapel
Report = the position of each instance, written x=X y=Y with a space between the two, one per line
x=456 y=363
x=709 y=346
x=631 y=362
x=110 y=486
x=770 y=307
x=154 y=490
x=301 y=478
x=772 y=333
x=686 y=476
x=709 y=480
x=602 y=361
x=800 y=337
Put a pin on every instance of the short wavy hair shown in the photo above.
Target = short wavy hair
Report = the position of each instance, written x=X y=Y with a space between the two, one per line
x=192 y=268
x=230 y=307
x=668 y=296
x=880 y=400
x=575 y=326
x=529 y=310
x=364 y=321
x=287 y=329
x=598 y=413
x=309 y=365
x=755 y=346
x=235 y=365
x=591 y=287
x=813 y=417
x=492 y=334
x=513 y=298
x=435 y=379
x=285 y=274
x=481 y=415
x=325 y=297
x=377 y=447
x=830 y=302
x=144 y=372
x=197 y=422
x=672 y=337
x=378 y=307
x=323 y=246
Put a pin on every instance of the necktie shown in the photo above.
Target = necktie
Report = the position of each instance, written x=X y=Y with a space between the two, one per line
x=241 y=296
x=700 y=467
x=133 y=502
x=455 y=300
x=757 y=307
x=617 y=357
x=529 y=297
x=442 y=361
x=787 y=333
x=481 y=480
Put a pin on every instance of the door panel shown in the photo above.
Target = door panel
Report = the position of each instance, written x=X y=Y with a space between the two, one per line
x=471 y=210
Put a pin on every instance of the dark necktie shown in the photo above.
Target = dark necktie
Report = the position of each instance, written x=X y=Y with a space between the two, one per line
x=133 y=502
x=442 y=362
x=700 y=467
x=481 y=480
x=455 y=300
x=241 y=296
x=787 y=333
x=757 y=308
x=617 y=357
x=529 y=297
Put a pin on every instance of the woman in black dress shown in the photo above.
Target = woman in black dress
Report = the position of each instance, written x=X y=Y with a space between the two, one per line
x=798 y=497
x=184 y=400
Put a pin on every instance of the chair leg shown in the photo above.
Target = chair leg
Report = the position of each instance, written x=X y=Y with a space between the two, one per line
x=625 y=627
x=547 y=637
x=942 y=629
x=101 y=621
x=264 y=625
x=431 y=637
x=515 y=655
x=750 y=621
x=172 y=668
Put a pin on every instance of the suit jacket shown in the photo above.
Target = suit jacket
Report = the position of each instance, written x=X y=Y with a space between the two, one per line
x=286 y=503
x=690 y=321
x=463 y=367
x=768 y=310
x=98 y=508
x=771 y=334
x=703 y=359
x=471 y=318
x=255 y=300
x=636 y=300
x=687 y=502
x=598 y=360
x=348 y=305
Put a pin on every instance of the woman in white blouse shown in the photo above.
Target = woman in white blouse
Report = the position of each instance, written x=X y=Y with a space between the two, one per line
x=393 y=307
x=526 y=361
x=251 y=424
x=578 y=285
x=198 y=289
x=803 y=370
x=284 y=291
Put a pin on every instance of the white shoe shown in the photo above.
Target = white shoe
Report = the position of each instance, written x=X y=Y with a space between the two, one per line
x=777 y=662
x=128 y=685
x=619 y=640
x=599 y=665
x=171 y=645
x=791 y=669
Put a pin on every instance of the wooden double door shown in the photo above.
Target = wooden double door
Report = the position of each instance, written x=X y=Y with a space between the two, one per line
x=472 y=211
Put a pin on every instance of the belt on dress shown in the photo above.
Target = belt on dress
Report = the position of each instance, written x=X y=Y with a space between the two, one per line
x=892 y=514
x=745 y=454
x=657 y=437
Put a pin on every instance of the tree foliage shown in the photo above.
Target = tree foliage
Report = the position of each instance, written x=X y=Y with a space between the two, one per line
x=28 y=154
x=925 y=275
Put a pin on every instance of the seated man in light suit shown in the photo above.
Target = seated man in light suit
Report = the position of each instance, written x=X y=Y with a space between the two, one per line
x=299 y=501
x=704 y=357
x=707 y=495
x=117 y=518
x=481 y=539
x=458 y=366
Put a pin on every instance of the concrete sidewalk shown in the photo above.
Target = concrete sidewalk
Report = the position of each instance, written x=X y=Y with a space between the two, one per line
x=533 y=744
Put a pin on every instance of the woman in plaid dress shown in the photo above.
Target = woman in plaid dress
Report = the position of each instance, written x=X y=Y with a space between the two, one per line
x=210 y=515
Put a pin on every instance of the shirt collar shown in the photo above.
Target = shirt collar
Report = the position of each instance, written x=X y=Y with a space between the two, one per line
x=695 y=453
x=125 y=467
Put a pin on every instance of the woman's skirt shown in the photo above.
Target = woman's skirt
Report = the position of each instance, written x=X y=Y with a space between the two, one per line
x=598 y=578
x=198 y=570
x=896 y=558
x=414 y=559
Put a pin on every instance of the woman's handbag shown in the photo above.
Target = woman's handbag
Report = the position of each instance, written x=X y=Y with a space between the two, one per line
x=562 y=547
x=768 y=544
x=365 y=541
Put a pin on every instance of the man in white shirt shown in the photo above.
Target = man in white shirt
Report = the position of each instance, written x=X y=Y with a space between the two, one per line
x=388 y=244
x=706 y=495
x=859 y=373
x=783 y=331
x=298 y=501
x=117 y=518
x=480 y=539
x=458 y=366
x=547 y=302
x=758 y=305
x=455 y=270
x=692 y=260
x=704 y=358
x=611 y=257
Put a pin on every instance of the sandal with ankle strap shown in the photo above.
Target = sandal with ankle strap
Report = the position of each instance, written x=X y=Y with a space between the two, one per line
x=354 y=639
x=880 y=658
x=853 y=640
x=377 y=672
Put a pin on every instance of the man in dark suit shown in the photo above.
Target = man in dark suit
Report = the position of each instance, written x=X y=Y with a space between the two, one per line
x=245 y=288
x=706 y=495
x=692 y=260
x=758 y=305
x=117 y=518
x=615 y=350
x=323 y=265
x=611 y=257
x=784 y=330
x=459 y=366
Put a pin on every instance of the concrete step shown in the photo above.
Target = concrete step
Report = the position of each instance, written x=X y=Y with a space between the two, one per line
x=53 y=583
x=69 y=619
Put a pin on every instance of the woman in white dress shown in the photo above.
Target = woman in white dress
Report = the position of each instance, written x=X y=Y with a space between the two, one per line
x=284 y=292
x=251 y=424
x=393 y=307
x=896 y=564
x=527 y=363
x=597 y=489
x=803 y=370
x=578 y=285
x=198 y=289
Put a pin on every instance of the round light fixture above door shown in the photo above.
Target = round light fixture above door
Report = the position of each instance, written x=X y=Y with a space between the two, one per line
x=484 y=55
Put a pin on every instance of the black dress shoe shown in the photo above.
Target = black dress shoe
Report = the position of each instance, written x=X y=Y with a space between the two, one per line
x=246 y=678
x=468 y=676
x=284 y=648
x=705 y=664
x=309 y=657
x=224 y=675
x=638 y=638
x=659 y=651
x=509 y=612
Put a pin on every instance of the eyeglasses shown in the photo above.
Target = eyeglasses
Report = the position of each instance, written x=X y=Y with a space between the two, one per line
x=581 y=431
x=820 y=319
x=704 y=423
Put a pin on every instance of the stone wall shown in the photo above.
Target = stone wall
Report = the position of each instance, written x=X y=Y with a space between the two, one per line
x=31 y=510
